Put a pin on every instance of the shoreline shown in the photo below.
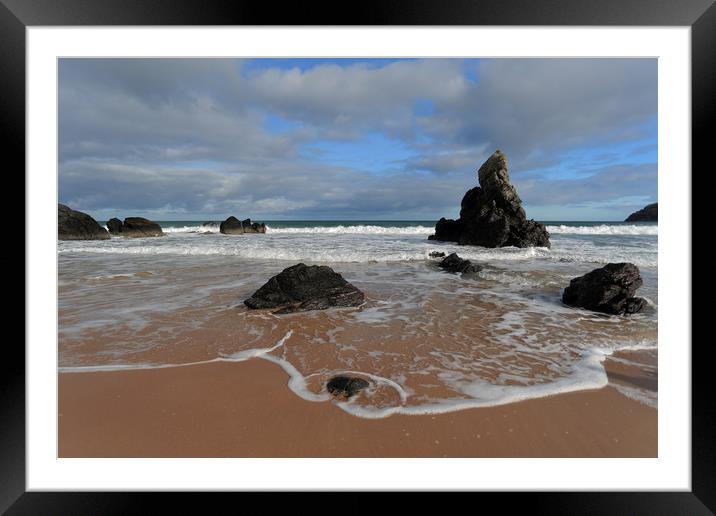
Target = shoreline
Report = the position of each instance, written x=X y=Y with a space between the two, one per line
x=246 y=409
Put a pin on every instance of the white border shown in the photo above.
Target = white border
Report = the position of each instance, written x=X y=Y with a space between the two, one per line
x=670 y=471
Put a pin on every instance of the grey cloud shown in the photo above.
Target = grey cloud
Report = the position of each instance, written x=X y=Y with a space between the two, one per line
x=299 y=189
x=548 y=105
x=357 y=95
x=160 y=110
x=188 y=136
x=604 y=185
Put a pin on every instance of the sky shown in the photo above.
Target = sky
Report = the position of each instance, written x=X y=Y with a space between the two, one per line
x=354 y=139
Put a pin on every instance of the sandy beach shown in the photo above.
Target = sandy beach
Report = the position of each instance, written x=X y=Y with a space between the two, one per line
x=357 y=257
x=245 y=409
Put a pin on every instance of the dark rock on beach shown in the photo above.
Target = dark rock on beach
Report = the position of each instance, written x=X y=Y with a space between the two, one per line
x=253 y=227
x=453 y=263
x=75 y=225
x=345 y=386
x=302 y=287
x=140 y=227
x=491 y=215
x=609 y=289
x=436 y=254
x=115 y=226
x=648 y=213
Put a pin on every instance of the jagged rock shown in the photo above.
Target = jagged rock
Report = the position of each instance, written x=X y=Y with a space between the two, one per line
x=140 y=227
x=491 y=215
x=436 y=254
x=346 y=386
x=649 y=213
x=453 y=263
x=115 y=226
x=302 y=287
x=75 y=225
x=609 y=289
x=448 y=230
x=253 y=227
x=231 y=226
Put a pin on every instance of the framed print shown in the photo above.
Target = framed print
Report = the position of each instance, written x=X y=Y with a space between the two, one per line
x=421 y=246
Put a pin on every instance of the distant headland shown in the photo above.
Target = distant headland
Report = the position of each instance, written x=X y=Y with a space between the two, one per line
x=649 y=213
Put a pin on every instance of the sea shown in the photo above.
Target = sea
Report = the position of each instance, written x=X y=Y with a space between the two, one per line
x=427 y=341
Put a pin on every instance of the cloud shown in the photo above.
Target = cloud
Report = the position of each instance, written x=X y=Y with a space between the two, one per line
x=609 y=184
x=403 y=138
x=272 y=190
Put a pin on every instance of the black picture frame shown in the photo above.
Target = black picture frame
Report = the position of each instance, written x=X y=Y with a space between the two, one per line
x=17 y=15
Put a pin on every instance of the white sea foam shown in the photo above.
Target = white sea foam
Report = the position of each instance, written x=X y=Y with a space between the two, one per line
x=252 y=353
x=303 y=251
x=643 y=396
x=370 y=229
x=296 y=381
x=191 y=229
x=640 y=345
x=604 y=229
x=361 y=252
x=359 y=229
x=380 y=380
x=355 y=230
x=241 y=356
x=588 y=373
x=374 y=243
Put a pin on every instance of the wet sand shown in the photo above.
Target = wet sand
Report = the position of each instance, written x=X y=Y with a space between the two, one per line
x=245 y=409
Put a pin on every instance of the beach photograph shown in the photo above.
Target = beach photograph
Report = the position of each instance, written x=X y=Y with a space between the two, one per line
x=357 y=257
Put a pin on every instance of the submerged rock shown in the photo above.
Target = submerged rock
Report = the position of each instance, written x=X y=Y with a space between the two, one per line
x=649 y=213
x=75 y=225
x=436 y=254
x=491 y=215
x=302 y=287
x=140 y=227
x=253 y=227
x=115 y=226
x=453 y=263
x=346 y=386
x=609 y=289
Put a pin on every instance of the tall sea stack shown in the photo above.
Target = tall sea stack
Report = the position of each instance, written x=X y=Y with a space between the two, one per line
x=491 y=215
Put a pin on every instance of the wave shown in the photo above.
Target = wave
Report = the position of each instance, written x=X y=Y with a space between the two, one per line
x=308 y=252
x=604 y=229
x=290 y=253
x=356 y=230
x=328 y=254
x=211 y=228
x=365 y=229
x=360 y=229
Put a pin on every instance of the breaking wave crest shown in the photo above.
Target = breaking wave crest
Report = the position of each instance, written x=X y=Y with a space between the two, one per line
x=604 y=229
x=357 y=230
